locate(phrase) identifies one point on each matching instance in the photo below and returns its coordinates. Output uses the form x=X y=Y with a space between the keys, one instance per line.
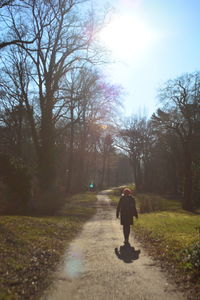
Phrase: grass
x=171 y=235
x=31 y=247
x=167 y=219
x=174 y=228
x=150 y=202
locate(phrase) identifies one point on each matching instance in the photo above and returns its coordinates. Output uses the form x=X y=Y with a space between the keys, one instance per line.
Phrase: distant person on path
x=92 y=186
x=127 y=210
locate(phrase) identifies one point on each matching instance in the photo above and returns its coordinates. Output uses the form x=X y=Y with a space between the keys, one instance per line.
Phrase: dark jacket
x=127 y=210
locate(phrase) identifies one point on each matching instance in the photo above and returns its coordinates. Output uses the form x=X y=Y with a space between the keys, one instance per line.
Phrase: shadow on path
x=127 y=253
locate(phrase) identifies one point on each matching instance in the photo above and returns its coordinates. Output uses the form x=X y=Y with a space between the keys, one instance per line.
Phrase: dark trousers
x=126 y=231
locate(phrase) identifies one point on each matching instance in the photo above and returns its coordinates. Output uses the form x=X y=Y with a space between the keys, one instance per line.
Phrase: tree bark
x=47 y=152
x=103 y=170
x=71 y=152
x=187 y=201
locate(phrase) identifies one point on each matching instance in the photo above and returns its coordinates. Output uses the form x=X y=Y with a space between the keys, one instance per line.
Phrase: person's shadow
x=127 y=253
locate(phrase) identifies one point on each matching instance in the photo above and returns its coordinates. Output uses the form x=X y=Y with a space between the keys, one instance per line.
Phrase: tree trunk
x=175 y=177
x=108 y=171
x=133 y=164
x=71 y=152
x=82 y=154
x=187 y=201
x=138 y=176
x=103 y=170
x=47 y=170
x=81 y=179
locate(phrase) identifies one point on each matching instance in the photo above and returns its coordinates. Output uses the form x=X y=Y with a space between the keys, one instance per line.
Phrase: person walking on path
x=127 y=210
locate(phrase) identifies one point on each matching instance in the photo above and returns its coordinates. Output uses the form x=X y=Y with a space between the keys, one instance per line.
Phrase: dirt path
x=95 y=267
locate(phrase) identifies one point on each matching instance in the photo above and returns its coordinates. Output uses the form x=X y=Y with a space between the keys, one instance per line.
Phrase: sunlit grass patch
x=30 y=247
x=176 y=227
x=173 y=238
x=79 y=205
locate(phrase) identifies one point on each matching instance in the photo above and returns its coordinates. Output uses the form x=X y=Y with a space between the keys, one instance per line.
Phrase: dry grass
x=171 y=235
x=31 y=247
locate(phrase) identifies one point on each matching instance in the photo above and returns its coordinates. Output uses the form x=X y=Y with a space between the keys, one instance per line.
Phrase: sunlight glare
x=126 y=37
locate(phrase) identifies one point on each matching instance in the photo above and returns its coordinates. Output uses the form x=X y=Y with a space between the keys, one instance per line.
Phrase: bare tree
x=88 y=102
x=136 y=140
x=15 y=86
x=61 y=43
x=180 y=114
x=6 y=3
x=13 y=32
x=78 y=92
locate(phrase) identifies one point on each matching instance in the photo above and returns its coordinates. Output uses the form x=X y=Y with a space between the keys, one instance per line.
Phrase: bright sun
x=126 y=36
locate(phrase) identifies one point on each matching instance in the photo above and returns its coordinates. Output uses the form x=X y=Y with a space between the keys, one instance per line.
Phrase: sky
x=150 y=42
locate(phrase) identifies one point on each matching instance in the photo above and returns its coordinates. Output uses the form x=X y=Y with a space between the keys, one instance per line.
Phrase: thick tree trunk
x=108 y=171
x=139 y=185
x=71 y=152
x=47 y=170
x=146 y=177
x=134 y=167
x=103 y=169
x=187 y=201
x=82 y=155
x=175 y=177
x=81 y=178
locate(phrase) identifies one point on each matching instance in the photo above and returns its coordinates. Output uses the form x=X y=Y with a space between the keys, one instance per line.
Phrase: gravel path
x=96 y=267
